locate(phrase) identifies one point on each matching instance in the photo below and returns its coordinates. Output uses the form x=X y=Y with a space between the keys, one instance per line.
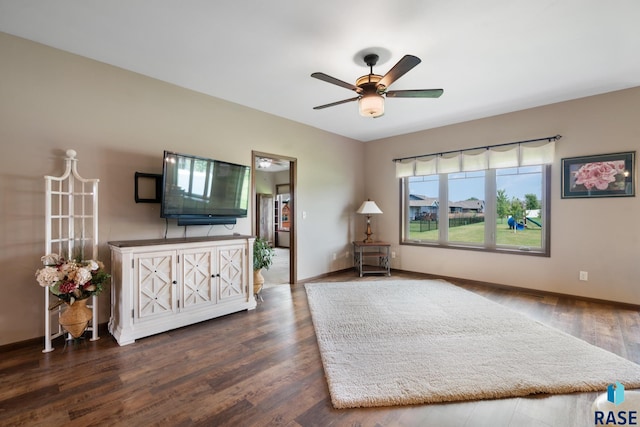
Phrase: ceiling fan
x=266 y=163
x=372 y=88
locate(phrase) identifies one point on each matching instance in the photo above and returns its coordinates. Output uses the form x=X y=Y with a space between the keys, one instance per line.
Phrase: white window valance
x=426 y=165
x=524 y=153
x=405 y=168
x=537 y=154
x=449 y=163
x=504 y=157
x=474 y=160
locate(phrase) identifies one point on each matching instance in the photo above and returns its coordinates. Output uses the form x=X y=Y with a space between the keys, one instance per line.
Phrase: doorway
x=274 y=190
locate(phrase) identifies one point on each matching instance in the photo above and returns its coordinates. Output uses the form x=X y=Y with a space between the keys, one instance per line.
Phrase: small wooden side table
x=371 y=258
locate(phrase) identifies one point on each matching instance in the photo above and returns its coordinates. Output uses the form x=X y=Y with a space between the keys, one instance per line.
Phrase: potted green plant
x=263 y=255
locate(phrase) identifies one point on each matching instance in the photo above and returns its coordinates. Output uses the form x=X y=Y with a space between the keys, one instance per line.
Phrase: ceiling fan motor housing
x=369 y=83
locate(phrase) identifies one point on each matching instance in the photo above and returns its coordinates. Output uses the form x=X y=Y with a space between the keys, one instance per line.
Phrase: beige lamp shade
x=369 y=208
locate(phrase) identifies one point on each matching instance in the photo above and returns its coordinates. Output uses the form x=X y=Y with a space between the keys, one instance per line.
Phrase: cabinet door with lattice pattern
x=198 y=278
x=155 y=276
x=232 y=283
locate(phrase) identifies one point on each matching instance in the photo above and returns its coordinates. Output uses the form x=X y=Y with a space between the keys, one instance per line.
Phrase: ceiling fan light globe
x=371 y=105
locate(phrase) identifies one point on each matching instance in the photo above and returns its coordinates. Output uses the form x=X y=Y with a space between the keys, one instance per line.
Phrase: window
x=466 y=208
x=504 y=209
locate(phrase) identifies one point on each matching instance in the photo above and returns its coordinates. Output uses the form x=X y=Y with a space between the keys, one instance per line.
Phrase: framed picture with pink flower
x=603 y=175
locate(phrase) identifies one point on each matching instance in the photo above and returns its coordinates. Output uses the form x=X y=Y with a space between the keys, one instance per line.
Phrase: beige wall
x=600 y=236
x=119 y=123
x=264 y=182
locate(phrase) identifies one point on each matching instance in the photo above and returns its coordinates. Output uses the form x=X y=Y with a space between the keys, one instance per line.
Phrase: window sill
x=501 y=249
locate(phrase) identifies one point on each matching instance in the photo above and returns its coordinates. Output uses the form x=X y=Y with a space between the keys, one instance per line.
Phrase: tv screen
x=196 y=187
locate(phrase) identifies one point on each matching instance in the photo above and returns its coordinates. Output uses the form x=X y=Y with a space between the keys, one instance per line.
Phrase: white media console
x=163 y=284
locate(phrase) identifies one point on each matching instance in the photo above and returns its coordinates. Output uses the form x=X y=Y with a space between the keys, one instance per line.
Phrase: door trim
x=293 y=172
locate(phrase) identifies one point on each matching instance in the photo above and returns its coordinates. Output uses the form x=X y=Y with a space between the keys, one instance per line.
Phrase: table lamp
x=369 y=208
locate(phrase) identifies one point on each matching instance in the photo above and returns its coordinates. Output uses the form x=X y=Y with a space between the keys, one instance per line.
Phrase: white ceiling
x=490 y=57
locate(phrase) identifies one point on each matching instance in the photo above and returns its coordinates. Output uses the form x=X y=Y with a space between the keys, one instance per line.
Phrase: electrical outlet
x=584 y=276
x=393 y=254
x=335 y=256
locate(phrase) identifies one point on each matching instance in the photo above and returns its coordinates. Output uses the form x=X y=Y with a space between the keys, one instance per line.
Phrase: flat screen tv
x=199 y=191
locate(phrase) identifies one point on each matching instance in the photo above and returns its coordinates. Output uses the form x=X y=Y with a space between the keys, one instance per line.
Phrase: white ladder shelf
x=71 y=230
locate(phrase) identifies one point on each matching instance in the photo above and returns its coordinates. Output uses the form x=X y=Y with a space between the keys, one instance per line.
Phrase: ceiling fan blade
x=326 y=78
x=320 y=107
x=400 y=69
x=416 y=93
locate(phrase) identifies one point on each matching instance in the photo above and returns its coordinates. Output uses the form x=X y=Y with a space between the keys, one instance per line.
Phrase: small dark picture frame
x=148 y=187
x=603 y=175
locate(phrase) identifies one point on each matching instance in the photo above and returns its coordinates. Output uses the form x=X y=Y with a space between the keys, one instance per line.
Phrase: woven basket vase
x=76 y=317
x=258 y=281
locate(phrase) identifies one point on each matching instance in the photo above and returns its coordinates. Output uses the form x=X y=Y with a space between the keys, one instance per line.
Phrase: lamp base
x=368 y=233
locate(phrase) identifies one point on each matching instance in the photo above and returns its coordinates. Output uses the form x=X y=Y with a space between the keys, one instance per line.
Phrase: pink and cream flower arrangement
x=602 y=175
x=72 y=280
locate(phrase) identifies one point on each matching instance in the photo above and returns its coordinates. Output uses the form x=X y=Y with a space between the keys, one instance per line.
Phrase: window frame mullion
x=490 y=208
x=443 y=209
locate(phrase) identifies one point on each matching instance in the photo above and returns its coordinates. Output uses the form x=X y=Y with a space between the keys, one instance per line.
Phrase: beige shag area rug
x=409 y=342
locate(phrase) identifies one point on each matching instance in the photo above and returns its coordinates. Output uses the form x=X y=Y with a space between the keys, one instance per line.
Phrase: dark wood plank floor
x=263 y=368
